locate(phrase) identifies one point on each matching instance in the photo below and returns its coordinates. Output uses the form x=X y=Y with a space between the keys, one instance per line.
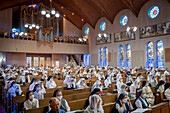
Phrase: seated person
x=15 y=89
x=107 y=81
x=66 y=79
x=167 y=90
x=50 y=82
x=81 y=84
x=38 y=92
x=63 y=102
x=42 y=86
x=31 y=102
x=149 y=95
x=55 y=106
x=133 y=89
x=123 y=88
x=95 y=105
x=160 y=86
x=123 y=104
x=71 y=84
x=97 y=84
x=141 y=101
x=95 y=91
x=32 y=84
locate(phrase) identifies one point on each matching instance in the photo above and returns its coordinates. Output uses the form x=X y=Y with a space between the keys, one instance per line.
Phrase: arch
x=149 y=55
x=105 y=57
x=159 y=60
x=128 y=56
x=101 y=57
x=121 y=56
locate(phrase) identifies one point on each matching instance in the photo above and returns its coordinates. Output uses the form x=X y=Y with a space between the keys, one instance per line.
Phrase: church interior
x=84 y=56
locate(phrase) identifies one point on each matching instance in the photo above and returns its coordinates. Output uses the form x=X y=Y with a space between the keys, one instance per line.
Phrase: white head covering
x=93 y=106
x=79 y=83
x=96 y=85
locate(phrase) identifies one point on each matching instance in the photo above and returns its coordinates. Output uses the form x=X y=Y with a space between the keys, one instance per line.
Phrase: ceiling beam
x=129 y=5
x=77 y=11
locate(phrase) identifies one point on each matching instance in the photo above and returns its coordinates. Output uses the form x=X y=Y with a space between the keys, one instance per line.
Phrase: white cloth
x=50 y=84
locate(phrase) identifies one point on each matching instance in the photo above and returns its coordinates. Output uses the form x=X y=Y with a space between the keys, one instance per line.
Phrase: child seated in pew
x=50 y=82
x=38 y=92
x=88 y=76
x=123 y=88
x=123 y=104
x=95 y=91
x=44 y=77
x=81 y=84
x=154 y=81
x=63 y=102
x=55 y=106
x=31 y=102
x=133 y=89
x=32 y=84
x=160 y=86
x=71 y=84
x=95 y=105
x=15 y=90
x=141 y=101
x=166 y=72
x=107 y=81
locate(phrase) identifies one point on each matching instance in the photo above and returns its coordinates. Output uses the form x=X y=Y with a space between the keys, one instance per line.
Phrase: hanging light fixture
x=57 y=14
x=25 y=34
x=37 y=27
x=43 y=12
x=53 y=11
x=26 y=25
x=47 y=15
x=99 y=35
x=135 y=29
x=128 y=29
x=33 y=25
x=30 y=27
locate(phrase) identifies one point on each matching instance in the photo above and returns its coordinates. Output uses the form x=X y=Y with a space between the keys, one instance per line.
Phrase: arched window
x=105 y=57
x=128 y=56
x=86 y=59
x=159 y=62
x=149 y=55
x=101 y=57
x=121 y=56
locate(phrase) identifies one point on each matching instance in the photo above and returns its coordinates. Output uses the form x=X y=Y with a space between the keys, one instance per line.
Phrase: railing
x=19 y=36
x=72 y=40
x=34 y=37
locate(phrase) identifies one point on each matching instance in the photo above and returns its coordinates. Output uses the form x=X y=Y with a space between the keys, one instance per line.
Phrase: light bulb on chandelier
x=43 y=12
x=53 y=11
x=57 y=14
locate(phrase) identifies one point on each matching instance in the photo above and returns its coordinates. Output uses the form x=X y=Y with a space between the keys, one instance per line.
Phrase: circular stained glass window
x=153 y=12
x=86 y=30
x=102 y=26
x=123 y=20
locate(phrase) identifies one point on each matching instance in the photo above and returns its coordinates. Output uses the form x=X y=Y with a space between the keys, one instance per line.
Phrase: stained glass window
x=159 y=55
x=101 y=57
x=150 y=55
x=86 y=30
x=121 y=56
x=86 y=59
x=123 y=20
x=103 y=26
x=128 y=56
x=153 y=12
x=105 y=57
x=28 y=61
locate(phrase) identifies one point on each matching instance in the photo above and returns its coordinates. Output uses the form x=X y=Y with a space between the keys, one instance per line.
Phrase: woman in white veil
x=97 y=84
x=81 y=84
x=95 y=105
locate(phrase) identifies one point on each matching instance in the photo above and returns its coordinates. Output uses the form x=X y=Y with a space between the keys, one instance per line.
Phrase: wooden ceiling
x=88 y=10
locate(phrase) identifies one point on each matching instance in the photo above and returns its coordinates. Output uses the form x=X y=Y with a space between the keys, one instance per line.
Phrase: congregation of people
x=130 y=84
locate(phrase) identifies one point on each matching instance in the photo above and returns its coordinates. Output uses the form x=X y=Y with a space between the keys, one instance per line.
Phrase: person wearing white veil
x=133 y=89
x=66 y=79
x=119 y=82
x=163 y=77
x=81 y=84
x=107 y=81
x=71 y=84
x=123 y=88
x=41 y=86
x=95 y=105
x=97 y=84
x=14 y=90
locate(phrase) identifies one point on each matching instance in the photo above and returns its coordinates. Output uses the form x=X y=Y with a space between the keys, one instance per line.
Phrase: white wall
x=138 y=46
